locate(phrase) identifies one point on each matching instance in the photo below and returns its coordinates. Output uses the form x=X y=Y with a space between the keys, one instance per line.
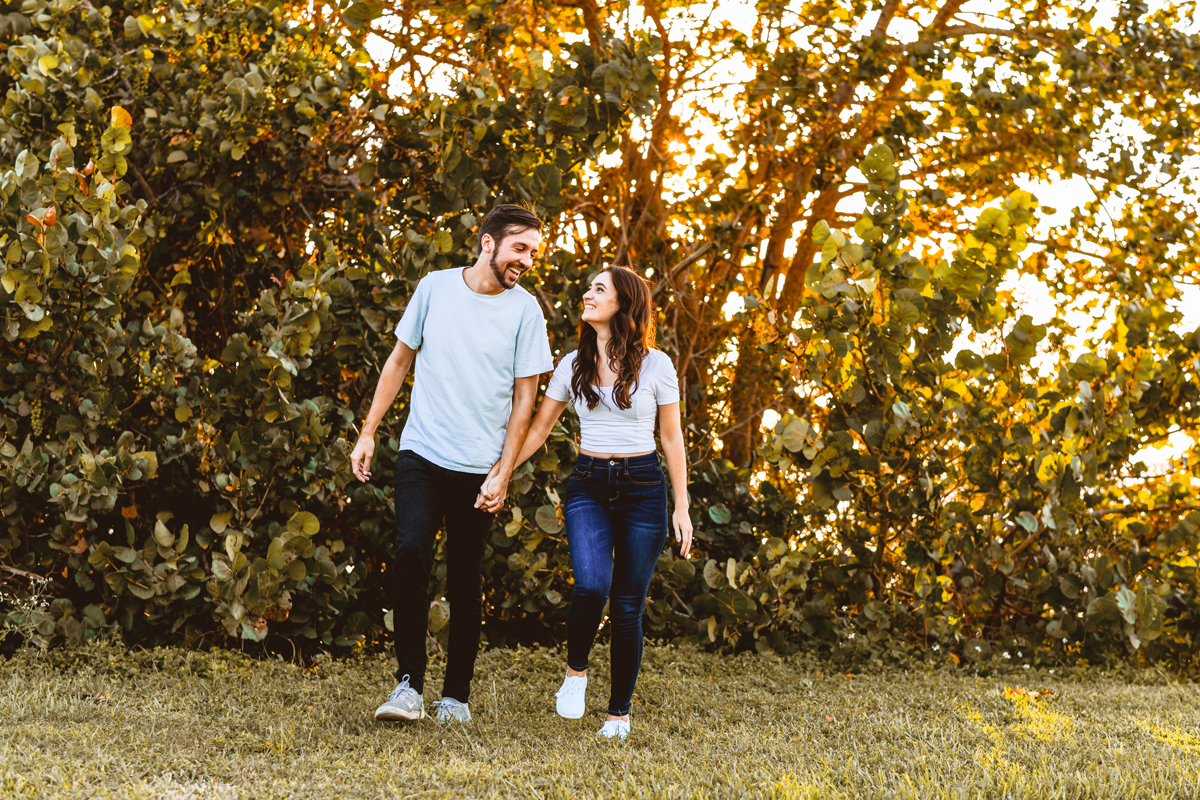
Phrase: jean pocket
x=645 y=476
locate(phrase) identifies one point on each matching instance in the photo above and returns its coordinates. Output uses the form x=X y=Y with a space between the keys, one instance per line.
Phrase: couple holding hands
x=476 y=342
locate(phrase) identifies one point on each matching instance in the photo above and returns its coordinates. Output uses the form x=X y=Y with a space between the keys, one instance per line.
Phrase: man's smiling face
x=514 y=256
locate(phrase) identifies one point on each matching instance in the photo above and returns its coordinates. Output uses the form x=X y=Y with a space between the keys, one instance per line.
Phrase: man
x=479 y=343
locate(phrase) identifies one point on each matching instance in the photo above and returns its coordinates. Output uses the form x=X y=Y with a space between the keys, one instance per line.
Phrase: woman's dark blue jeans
x=616 y=515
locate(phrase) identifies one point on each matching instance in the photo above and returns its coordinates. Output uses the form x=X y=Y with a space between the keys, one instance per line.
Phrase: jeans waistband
x=650 y=459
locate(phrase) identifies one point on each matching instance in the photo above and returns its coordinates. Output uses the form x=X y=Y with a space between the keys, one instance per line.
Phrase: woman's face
x=600 y=301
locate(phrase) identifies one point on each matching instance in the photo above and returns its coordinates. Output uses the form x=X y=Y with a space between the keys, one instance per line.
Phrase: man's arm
x=495 y=487
x=395 y=369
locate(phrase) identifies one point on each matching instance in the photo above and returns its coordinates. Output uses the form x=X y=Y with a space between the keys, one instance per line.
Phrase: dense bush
x=214 y=214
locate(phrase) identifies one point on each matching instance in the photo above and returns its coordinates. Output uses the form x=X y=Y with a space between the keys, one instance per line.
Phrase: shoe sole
x=569 y=716
x=400 y=716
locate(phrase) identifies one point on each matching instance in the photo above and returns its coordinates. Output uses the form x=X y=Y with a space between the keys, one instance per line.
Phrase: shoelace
x=400 y=689
x=445 y=708
x=571 y=687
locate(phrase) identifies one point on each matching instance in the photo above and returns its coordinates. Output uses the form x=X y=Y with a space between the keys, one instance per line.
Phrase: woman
x=616 y=500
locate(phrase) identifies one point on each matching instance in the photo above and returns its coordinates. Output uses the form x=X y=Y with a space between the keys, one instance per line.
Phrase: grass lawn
x=178 y=724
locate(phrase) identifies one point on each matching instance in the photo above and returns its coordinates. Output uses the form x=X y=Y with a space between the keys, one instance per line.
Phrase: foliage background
x=214 y=213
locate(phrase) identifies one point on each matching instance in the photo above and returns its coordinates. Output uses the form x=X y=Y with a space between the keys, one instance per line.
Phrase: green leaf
x=162 y=536
x=297 y=571
x=303 y=522
x=359 y=15
x=220 y=568
x=794 y=435
x=820 y=233
x=907 y=312
x=220 y=521
x=27 y=164
x=547 y=519
x=150 y=463
x=720 y=514
x=735 y=604
x=443 y=242
x=117 y=140
x=684 y=570
x=714 y=576
x=1126 y=601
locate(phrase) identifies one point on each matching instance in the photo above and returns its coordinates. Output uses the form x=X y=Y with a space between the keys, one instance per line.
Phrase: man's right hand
x=360 y=458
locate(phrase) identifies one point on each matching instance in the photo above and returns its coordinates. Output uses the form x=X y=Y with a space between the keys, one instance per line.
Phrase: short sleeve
x=560 y=382
x=666 y=381
x=411 y=327
x=533 y=346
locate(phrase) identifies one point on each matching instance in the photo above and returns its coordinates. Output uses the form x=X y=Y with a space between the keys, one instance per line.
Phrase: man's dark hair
x=507 y=219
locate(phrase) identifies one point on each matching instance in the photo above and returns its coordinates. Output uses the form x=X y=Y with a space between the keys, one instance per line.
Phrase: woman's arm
x=547 y=414
x=539 y=430
x=671 y=433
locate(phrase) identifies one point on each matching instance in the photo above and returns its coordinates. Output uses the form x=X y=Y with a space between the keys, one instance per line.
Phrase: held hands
x=682 y=523
x=494 y=491
x=360 y=457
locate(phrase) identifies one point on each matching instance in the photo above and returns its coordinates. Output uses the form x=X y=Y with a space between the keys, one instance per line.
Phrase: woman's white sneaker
x=615 y=729
x=570 y=703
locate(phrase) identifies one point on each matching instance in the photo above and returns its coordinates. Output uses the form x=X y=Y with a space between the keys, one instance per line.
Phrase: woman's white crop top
x=608 y=429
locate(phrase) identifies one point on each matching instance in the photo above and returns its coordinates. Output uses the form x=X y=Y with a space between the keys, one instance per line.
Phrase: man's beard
x=501 y=273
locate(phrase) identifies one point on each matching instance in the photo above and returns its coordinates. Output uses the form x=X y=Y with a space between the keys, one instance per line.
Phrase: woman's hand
x=485 y=497
x=494 y=493
x=683 y=530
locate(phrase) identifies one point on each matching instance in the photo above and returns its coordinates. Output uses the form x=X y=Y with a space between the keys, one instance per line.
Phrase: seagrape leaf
x=162 y=536
x=220 y=521
x=304 y=522
x=547 y=519
x=1126 y=602
x=683 y=569
x=714 y=576
x=735 y=603
x=719 y=514
x=794 y=434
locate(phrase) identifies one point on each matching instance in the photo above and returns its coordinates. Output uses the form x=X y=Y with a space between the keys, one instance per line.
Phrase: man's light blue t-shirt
x=470 y=348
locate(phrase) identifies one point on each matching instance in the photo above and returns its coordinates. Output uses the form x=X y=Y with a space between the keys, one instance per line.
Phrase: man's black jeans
x=427 y=495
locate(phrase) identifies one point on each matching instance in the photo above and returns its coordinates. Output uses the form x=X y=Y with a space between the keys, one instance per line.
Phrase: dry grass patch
x=177 y=724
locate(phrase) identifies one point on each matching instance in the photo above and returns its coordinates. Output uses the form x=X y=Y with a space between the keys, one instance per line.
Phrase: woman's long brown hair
x=632 y=337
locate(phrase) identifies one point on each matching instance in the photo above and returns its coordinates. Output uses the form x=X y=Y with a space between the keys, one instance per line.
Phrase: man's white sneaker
x=615 y=729
x=402 y=704
x=570 y=703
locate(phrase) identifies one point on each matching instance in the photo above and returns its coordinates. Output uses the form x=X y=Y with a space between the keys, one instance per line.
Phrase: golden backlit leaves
x=121 y=118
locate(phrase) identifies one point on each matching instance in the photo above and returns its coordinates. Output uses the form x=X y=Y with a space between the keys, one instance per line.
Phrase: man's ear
x=487 y=243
